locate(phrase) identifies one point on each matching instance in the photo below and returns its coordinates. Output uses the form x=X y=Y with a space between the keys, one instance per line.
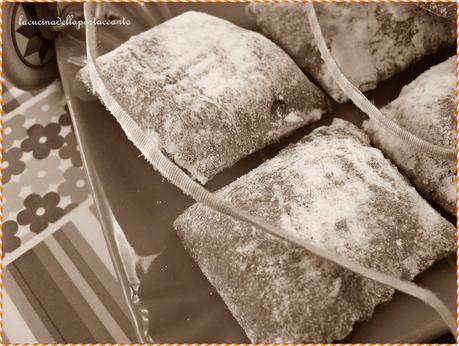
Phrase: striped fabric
x=59 y=282
x=13 y=97
x=64 y=290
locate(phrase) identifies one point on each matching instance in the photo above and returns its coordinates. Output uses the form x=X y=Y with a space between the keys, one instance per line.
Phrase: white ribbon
x=151 y=151
x=363 y=103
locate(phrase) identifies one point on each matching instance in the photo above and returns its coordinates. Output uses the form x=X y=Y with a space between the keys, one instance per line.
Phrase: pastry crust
x=335 y=190
x=370 y=42
x=425 y=107
x=209 y=91
x=445 y=10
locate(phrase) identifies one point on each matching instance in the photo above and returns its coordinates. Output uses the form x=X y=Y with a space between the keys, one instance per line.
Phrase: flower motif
x=14 y=130
x=41 y=139
x=47 y=110
x=12 y=201
x=40 y=211
x=74 y=186
x=12 y=164
x=10 y=241
x=40 y=174
x=64 y=119
x=70 y=150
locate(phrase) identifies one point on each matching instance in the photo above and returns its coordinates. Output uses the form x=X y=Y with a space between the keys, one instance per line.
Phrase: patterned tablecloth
x=60 y=285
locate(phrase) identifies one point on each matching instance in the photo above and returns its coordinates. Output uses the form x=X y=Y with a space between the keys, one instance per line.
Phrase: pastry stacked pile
x=211 y=93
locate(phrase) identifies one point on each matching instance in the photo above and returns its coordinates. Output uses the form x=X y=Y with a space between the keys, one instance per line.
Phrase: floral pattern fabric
x=42 y=139
x=47 y=204
x=42 y=169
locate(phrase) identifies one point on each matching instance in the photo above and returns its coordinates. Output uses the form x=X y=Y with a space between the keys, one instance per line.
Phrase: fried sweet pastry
x=335 y=190
x=425 y=107
x=209 y=91
x=445 y=10
x=370 y=42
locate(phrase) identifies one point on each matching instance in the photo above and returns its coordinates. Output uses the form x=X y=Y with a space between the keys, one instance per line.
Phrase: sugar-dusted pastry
x=370 y=42
x=426 y=107
x=445 y=10
x=209 y=91
x=340 y=193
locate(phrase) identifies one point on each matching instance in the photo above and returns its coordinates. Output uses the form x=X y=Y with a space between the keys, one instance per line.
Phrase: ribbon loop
x=151 y=151
x=363 y=103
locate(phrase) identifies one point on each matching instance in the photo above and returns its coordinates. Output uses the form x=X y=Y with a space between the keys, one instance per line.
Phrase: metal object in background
x=29 y=56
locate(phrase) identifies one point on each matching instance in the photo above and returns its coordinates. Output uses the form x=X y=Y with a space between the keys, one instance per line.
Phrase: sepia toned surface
x=333 y=189
x=171 y=299
x=370 y=42
x=214 y=93
x=426 y=107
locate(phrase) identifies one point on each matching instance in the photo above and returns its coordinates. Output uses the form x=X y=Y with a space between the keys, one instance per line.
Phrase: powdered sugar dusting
x=426 y=107
x=370 y=42
x=333 y=189
x=212 y=92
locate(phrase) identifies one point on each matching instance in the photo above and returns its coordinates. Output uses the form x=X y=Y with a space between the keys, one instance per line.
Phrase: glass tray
x=170 y=299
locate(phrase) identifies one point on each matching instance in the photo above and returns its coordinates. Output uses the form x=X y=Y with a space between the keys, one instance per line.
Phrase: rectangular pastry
x=335 y=190
x=370 y=42
x=442 y=9
x=209 y=91
x=426 y=107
